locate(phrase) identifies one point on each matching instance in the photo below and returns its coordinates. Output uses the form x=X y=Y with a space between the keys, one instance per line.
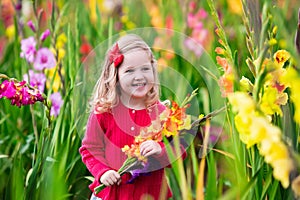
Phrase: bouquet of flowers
x=171 y=122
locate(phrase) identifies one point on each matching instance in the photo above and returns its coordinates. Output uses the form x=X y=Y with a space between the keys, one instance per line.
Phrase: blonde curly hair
x=106 y=92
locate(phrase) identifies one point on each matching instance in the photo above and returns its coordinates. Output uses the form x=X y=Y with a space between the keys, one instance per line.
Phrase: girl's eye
x=129 y=71
x=146 y=68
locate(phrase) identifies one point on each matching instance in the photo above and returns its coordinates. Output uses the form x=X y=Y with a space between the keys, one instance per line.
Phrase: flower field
x=241 y=56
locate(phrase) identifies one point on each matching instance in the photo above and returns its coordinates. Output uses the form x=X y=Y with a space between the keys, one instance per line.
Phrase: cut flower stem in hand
x=130 y=164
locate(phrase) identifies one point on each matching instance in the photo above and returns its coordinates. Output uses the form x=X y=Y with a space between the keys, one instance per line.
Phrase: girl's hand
x=110 y=178
x=150 y=147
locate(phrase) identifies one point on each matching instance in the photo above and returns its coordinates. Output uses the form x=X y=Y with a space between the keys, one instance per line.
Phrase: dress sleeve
x=92 y=149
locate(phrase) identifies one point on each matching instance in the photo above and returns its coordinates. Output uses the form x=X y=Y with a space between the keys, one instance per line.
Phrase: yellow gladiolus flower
x=255 y=128
x=61 y=41
x=246 y=84
x=259 y=129
x=10 y=32
x=292 y=79
x=272 y=41
x=277 y=152
x=277 y=155
x=241 y=101
x=56 y=84
x=235 y=6
x=281 y=171
x=281 y=56
x=269 y=102
x=242 y=123
x=61 y=53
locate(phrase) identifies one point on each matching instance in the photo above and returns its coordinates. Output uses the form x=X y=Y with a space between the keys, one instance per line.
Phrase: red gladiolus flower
x=85 y=49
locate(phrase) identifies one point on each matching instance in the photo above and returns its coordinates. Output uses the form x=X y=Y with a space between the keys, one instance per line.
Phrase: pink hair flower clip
x=115 y=56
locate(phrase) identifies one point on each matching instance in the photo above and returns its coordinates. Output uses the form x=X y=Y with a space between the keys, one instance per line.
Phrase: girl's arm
x=93 y=148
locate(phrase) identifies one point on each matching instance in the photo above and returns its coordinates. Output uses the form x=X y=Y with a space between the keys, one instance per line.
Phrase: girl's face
x=136 y=76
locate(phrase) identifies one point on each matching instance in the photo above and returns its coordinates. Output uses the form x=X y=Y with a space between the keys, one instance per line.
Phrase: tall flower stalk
x=256 y=104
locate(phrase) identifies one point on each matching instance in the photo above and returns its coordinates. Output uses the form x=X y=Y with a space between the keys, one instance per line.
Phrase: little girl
x=125 y=99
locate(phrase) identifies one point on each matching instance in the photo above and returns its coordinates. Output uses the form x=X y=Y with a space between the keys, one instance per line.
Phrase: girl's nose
x=138 y=77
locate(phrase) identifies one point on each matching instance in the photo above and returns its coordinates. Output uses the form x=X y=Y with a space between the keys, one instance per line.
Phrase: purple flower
x=44 y=59
x=26 y=99
x=144 y=170
x=34 y=95
x=31 y=25
x=19 y=94
x=7 y=89
x=57 y=102
x=44 y=35
x=28 y=49
x=18 y=6
x=36 y=80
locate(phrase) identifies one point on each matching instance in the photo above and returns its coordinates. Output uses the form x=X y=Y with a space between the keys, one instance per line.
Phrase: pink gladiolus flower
x=28 y=49
x=36 y=80
x=192 y=6
x=7 y=89
x=44 y=35
x=201 y=14
x=199 y=33
x=25 y=100
x=193 y=21
x=194 y=46
x=31 y=25
x=44 y=59
x=31 y=96
x=19 y=94
x=57 y=102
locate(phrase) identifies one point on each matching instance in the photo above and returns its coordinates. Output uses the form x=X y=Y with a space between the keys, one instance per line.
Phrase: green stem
x=189 y=98
x=127 y=165
x=35 y=131
x=206 y=117
x=99 y=188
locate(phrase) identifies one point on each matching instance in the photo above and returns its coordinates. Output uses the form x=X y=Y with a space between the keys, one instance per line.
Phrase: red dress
x=106 y=134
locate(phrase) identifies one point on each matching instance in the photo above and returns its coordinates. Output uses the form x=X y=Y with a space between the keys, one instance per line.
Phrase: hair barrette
x=115 y=56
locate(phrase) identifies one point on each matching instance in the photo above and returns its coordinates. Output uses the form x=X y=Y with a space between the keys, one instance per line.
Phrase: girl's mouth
x=139 y=84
